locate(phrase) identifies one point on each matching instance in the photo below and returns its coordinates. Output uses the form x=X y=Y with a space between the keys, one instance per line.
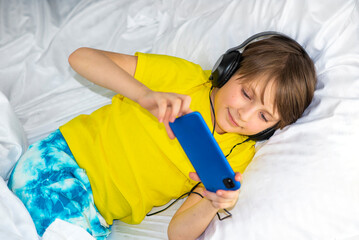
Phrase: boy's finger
x=227 y=194
x=169 y=131
x=238 y=176
x=185 y=109
x=213 y=196
x=176 y=106
x=194 y=176
x=162 y=108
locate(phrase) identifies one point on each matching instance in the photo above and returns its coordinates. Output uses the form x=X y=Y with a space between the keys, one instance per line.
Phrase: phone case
x=204 y=152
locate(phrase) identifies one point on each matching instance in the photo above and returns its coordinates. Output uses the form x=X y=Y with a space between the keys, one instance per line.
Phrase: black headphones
x=229 y=63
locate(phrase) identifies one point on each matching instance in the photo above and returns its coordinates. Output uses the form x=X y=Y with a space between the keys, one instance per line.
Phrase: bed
x=303 y=183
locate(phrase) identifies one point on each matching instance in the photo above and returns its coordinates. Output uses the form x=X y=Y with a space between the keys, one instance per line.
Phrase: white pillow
x=12 y=137
x=303 y=182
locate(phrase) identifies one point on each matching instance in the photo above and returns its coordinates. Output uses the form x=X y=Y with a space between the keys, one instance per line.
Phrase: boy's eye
x=263 y=117
x=246 y=94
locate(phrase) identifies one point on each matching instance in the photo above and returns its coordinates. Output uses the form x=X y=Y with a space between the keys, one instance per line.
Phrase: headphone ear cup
x=225 y=67
x=264 y=135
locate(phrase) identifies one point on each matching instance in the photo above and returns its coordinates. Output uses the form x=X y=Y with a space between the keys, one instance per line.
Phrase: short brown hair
x=284 y=61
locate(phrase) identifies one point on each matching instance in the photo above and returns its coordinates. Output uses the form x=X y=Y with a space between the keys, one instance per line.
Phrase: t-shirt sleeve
x=168 y=73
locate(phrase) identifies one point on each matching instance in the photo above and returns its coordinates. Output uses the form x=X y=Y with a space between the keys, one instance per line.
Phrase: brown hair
x=284 y=61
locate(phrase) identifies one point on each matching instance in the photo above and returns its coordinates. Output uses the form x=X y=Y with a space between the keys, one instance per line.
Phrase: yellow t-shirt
x=131 y=163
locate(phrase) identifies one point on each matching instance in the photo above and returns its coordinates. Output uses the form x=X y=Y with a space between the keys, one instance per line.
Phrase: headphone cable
x=212 y=109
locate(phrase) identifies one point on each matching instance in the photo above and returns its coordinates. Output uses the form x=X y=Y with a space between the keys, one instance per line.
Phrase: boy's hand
x=166 y=107
x=222 y=198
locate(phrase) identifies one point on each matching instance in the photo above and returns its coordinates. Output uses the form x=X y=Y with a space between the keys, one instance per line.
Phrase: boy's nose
x=245 y=113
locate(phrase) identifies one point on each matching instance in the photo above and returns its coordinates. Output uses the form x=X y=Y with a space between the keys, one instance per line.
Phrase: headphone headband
x=229 y=62
x=256 y=37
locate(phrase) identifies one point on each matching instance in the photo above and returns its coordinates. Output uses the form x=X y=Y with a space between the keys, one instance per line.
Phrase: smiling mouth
x=231 y=119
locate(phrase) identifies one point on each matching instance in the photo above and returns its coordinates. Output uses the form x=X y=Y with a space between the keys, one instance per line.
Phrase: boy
x=121 y=160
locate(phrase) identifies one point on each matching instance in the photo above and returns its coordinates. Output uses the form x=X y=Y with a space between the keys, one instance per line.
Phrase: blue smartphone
x=204 y=152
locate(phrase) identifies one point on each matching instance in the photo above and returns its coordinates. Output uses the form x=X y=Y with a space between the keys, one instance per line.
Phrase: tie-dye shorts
x=51 y=185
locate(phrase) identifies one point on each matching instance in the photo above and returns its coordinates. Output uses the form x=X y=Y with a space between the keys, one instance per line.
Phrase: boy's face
x=239 y=108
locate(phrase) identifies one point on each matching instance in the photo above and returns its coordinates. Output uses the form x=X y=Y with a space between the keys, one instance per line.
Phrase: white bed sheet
x=302 y=184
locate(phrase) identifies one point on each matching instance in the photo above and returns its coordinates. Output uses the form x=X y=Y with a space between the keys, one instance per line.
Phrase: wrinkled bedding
x=301 y=184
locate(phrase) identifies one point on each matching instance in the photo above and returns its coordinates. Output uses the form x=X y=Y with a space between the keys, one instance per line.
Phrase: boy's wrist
x=141 y=93
x=209 y=203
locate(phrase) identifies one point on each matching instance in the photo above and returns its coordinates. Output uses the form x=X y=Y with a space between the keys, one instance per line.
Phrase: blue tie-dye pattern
x=51 y=185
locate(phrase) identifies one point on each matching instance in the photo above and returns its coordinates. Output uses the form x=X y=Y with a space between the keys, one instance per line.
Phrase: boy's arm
x=195 y=214
x=115 y=71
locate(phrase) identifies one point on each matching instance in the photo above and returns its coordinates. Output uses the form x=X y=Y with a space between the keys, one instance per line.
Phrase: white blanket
x=302 y=183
